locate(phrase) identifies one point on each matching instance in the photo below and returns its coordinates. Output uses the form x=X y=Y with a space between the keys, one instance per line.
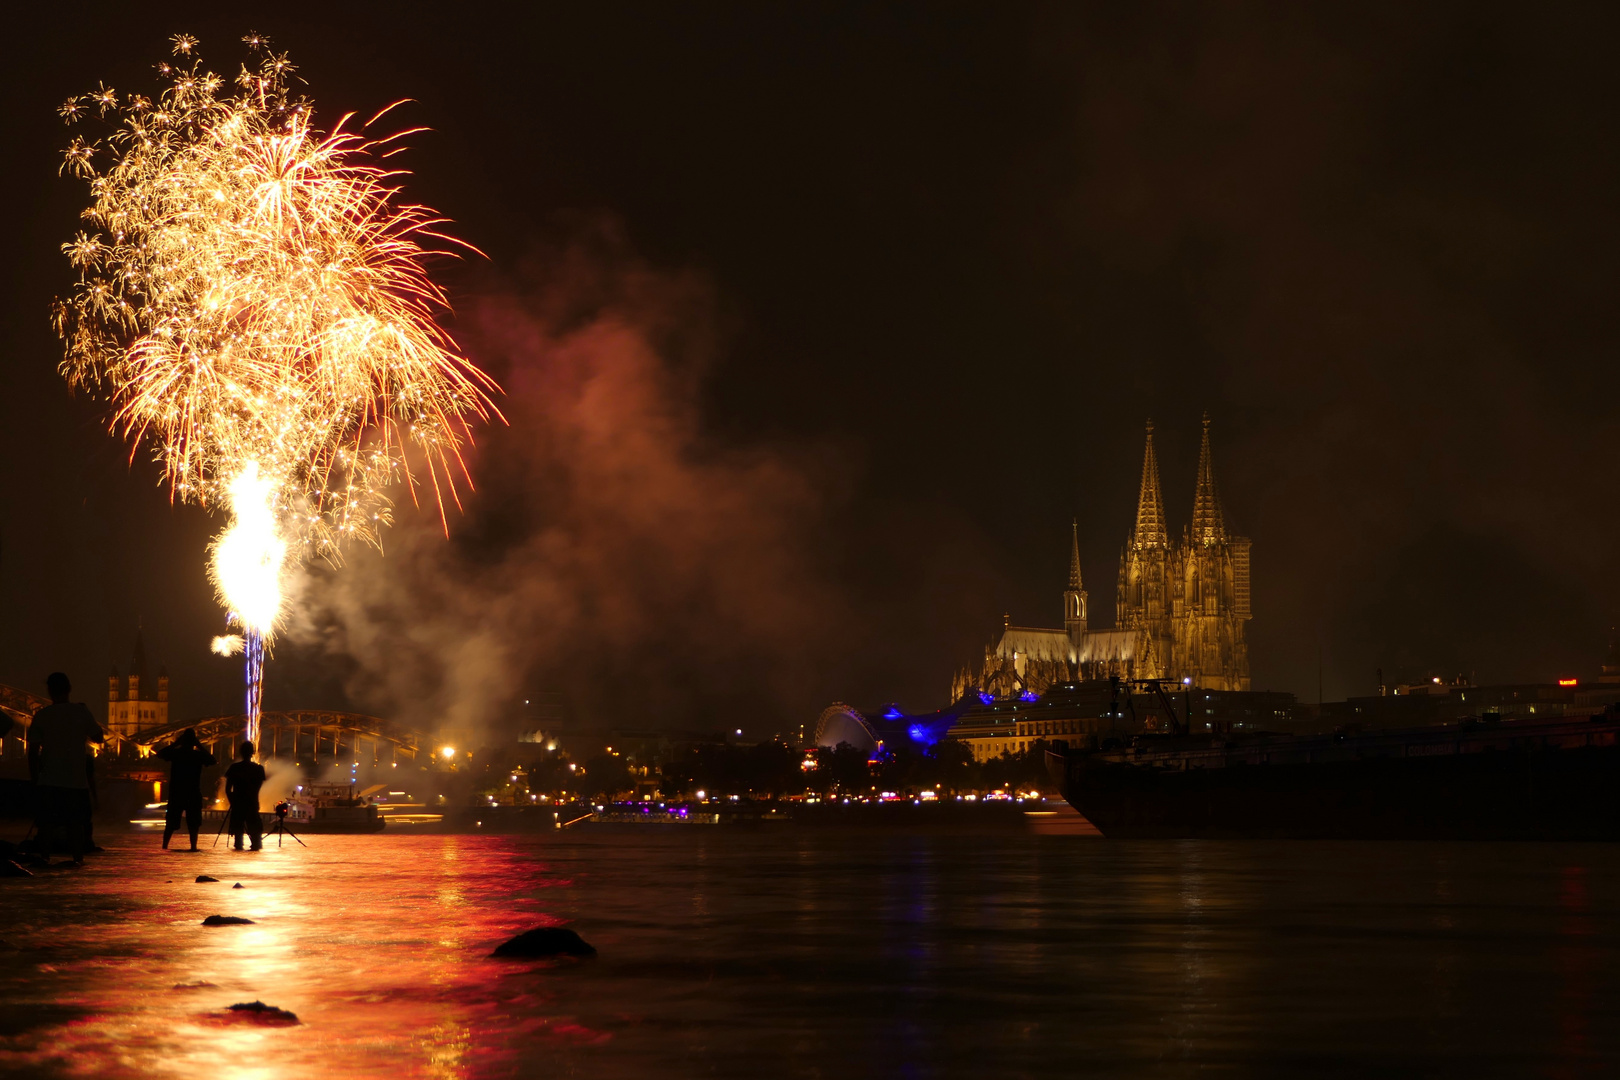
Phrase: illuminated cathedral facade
x=1179 y=608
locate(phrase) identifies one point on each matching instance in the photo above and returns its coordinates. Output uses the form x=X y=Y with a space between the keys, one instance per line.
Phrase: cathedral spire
x=1150 y=527
x=1075 y=584
x=1074 y=597
x=137 y=665
x=1208 y=521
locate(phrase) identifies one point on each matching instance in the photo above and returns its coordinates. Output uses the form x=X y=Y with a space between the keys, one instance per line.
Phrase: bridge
x=19 y=705
x=301 y=734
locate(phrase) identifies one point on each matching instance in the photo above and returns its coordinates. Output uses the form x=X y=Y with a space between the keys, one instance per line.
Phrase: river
x=845 y=953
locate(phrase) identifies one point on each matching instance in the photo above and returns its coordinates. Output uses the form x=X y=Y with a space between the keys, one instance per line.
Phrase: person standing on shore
x=59 y=741
x=95 y=804
x=242 y=783
x=187 y=759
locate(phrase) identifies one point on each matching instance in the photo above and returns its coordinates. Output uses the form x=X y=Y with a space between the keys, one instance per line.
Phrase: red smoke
x=612 y=551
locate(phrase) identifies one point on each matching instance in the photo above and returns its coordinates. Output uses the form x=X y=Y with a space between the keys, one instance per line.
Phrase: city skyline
x=878 y=351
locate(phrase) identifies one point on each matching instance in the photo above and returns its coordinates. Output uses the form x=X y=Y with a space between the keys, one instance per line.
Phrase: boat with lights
x=317 y=808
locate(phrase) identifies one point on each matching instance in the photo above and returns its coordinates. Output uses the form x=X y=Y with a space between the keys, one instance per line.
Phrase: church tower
x=1074 y=597
x=1144 y=601
x=1211 y=571
x=141 y=703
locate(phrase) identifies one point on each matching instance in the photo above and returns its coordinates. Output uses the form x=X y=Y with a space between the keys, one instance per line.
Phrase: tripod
x=281 y=826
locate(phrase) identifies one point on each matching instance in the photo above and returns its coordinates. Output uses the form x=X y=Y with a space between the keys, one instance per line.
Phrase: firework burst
x=253 y=301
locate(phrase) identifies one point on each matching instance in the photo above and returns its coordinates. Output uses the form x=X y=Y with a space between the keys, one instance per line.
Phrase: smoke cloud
x=614 y=557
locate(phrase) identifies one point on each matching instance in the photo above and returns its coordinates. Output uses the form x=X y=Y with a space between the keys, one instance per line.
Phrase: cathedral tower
x=140 y=704
x=1211 y=570
x=1144 y=602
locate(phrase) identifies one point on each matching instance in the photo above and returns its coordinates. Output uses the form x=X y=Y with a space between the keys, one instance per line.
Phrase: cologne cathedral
x=1178 y=612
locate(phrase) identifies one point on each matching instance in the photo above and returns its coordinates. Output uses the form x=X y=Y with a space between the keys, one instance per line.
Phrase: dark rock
x=204 y=877
x=545 y=941
x=11 y=869
x=238 y=885
x=260 y=1013
x=226 y=920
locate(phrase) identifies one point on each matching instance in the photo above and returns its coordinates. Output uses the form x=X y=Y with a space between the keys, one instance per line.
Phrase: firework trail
x=253 y=302
x=246 y=568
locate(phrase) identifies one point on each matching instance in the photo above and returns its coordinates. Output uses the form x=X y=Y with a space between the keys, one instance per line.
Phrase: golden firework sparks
x=253 y=301
x=252 y=290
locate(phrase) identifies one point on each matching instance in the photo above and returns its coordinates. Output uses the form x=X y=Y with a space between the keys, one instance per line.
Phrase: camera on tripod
x=281 y=828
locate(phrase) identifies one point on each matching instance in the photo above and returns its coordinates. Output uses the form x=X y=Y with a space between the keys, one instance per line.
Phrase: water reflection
x=787 y=954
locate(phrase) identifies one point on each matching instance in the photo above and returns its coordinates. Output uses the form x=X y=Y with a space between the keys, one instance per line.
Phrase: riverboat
x=1481 y=779
x=317 y=808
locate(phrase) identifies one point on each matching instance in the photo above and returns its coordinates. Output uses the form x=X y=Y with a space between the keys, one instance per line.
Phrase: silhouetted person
x=187 y=759
x=242 y=783
x=95 y=803
x=58 y=748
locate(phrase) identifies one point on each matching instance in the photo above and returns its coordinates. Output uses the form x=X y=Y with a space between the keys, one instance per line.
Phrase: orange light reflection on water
x=380 y=946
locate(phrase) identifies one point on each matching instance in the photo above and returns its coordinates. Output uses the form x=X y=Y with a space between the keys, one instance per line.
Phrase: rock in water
x=238 y=885
x=11 y=869
x=226 y=920
x=261 y=1013
x=545 y=941
x=204 y=877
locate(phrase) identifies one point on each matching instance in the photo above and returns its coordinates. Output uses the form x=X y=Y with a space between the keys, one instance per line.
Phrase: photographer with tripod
x=242 y=783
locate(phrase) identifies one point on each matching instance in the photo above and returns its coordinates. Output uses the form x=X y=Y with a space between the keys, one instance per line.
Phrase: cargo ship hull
x=1513 y=780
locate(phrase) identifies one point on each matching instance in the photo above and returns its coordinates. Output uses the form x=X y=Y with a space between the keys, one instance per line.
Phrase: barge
x=1480 y=779
x=315 y=809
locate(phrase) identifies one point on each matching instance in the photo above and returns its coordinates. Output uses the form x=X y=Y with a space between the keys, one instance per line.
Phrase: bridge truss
x=301 y=734
x=19 y=705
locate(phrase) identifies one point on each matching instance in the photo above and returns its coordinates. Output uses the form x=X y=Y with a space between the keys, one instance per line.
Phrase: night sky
x=821 y=322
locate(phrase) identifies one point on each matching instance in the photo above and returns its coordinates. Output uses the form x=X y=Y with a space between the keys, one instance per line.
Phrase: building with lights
x=1179 y=609
x=1454 y=701
x=138 y=703
x=1064 y=715
x=1081 y=714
